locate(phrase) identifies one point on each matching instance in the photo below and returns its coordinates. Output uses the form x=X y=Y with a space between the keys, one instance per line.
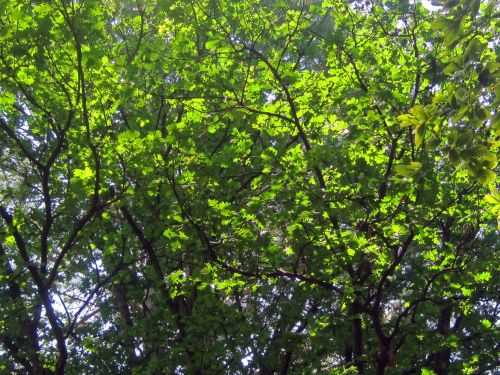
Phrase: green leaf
x=486 y=323
x=483 y=276
x=408 y=120
x=491 y=159
x=454 y=157
x=443 y=24
x=25 y=77
x=178 y=218
x=212 y=44
x=485 y=176
x=451 y=68
x=419 y=135
x=463 y=137
x=426 y=371
x=407 y=170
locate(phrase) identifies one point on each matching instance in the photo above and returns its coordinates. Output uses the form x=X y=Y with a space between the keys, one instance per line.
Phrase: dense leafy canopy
x=243 y=187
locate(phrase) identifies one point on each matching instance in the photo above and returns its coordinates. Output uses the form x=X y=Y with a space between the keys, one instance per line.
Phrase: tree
x=237 y=187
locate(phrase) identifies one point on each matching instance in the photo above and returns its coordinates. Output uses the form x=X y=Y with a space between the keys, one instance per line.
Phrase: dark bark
x=175 y=305
x=126 y=322
x=356 y=351
x=441 y=358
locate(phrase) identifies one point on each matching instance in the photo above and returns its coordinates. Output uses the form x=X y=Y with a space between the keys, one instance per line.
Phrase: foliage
x=238 y=187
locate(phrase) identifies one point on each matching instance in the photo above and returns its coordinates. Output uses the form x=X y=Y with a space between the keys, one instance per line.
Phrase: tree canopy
x=249 y=187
